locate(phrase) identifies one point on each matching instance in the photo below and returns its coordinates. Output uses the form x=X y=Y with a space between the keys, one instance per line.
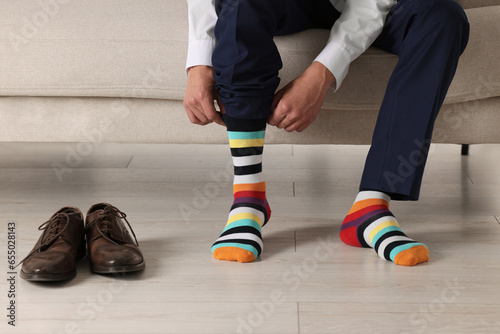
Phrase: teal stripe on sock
x=243 y=222
x=246 y=135
x=384 y=231
x=237 y=245
x=404 y=247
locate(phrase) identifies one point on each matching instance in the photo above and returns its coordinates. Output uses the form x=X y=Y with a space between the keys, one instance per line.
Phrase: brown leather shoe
x=111 y=248
x=59 y=247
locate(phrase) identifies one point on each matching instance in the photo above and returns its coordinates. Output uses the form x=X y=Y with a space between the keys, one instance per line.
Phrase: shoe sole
x=118 y=269
x=47 y=277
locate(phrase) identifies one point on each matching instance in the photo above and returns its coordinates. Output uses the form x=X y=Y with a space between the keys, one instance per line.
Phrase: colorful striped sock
x=241 y=239
x=369 y=223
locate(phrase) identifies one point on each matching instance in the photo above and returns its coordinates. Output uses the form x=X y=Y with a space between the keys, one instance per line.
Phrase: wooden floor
x=307 y=281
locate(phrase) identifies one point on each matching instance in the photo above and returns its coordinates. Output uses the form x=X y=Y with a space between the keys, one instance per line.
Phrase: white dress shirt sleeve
x=202 y=19
x=357 y=28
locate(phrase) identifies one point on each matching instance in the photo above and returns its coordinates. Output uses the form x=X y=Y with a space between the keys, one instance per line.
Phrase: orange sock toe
x=412 y=256
x=233 y=254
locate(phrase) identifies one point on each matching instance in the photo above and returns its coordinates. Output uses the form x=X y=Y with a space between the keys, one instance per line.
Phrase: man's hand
x=200 y=95
x=296 y=105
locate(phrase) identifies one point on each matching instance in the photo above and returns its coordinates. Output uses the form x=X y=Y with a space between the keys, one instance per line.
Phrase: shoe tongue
x=104 y=225
x=59 y=222
x=94 y=215
x=55 y=226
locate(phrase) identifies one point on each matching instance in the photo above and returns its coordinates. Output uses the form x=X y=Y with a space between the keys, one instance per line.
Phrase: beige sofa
x=114 y=71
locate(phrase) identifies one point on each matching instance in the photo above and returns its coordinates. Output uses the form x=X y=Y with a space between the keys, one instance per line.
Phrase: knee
x=449 y=14
x=450 y=21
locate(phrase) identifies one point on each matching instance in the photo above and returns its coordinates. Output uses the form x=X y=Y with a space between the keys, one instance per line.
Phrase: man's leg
x=429 y=36
x=246 y=65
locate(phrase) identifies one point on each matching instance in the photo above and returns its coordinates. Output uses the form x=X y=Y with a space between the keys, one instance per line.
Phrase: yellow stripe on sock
x=381 y=227
x=244 y=215
x=241 y=143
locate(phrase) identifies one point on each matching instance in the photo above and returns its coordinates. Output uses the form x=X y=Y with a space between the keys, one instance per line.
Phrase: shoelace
x=103 y=218
x=52 y=228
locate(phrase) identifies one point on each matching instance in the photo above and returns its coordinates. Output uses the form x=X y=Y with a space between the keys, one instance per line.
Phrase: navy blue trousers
x=428 y=36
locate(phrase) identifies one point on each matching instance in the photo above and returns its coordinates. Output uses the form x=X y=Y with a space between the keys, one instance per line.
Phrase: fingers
x=201 y=110
x=277 y=98
x=205 y=115
x=200 y=95
x=210 y=113
x=201 y=117
x=220 y=104
x=218 y=119
x=302 y=127
x=276 y=117
x=291 y=119
x=291 y=126
x=285 y=114
x=298 y=126
x=194 y=111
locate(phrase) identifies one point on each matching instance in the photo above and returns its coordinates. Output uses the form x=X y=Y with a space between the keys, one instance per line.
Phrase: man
x=232 y=59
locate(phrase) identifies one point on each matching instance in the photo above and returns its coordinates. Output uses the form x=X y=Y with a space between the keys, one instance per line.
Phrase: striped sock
x=241 y=239
x=371 y=224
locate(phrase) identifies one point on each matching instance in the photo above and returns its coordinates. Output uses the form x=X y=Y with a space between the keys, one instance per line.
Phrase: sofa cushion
x=478 y=3
x=128 y=48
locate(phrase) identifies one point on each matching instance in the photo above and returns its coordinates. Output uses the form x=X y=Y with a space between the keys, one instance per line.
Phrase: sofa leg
x=465 y=149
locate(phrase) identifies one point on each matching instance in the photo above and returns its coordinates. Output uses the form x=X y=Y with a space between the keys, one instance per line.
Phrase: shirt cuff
x=200 y=52
x=337 y=59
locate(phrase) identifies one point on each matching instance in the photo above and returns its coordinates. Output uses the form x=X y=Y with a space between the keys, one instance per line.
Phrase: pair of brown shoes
x=62 y=243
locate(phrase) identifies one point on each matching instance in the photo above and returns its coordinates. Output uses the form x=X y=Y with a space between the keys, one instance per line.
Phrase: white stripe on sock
x=247 y=161
x=250 y=178
x=389 y=240
x=245 y=236
x=369 y=194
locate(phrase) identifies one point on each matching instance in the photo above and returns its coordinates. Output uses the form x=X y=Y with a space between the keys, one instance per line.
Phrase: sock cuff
x=370 y=194
x=244 y=124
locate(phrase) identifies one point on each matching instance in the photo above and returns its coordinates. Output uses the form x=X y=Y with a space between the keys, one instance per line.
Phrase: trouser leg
x=246 y=61
x=429 y=36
